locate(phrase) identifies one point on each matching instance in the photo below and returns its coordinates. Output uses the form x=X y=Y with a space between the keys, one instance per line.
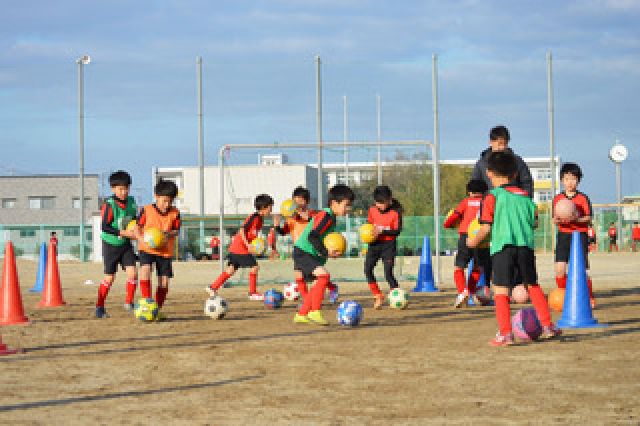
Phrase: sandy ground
x=427 y=364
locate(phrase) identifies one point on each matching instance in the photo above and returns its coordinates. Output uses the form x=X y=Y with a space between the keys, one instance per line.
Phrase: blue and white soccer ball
x=350 y=313
x=273 y=298
x=146 y=310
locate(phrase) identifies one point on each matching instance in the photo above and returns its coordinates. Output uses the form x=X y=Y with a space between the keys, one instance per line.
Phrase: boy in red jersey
x=635 y=236
x=117 y=211
x=164 y=216
x=613 y=237
x=241 y=252
x=310 y=254
x=570 y=176
x=294 y=226
x=512 y=215
x=386 y=217
x=591 y=234
x=464 y=213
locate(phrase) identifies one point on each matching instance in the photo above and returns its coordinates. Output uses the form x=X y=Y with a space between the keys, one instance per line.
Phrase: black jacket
x=522 y=180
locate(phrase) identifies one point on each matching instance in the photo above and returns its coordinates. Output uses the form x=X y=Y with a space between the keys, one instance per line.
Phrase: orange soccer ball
x=556 y=299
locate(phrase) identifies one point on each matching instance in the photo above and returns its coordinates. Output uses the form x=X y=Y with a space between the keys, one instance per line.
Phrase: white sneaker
x=256 y=296
x=461 y=299
x=212 y=292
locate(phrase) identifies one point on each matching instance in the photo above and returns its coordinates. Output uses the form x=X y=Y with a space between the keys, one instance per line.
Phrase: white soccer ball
x=398 y=298
x=89 y=282
x=291 y=292
x=216 y=307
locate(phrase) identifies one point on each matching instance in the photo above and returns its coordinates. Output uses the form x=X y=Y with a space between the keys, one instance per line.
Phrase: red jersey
x=466 y=211
x=635 y=233
x=583 y=207
x=591 y=233
x=215 y=242
x=612 y=231
x=252 y=226
x=387 y=222
x=488 y=205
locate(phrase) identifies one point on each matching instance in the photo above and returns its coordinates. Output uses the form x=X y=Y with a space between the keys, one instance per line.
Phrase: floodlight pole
x=552 y=142
x=319 y=130
x=619 y=199
x=200 y=149
x=378 y=139
x=345 y=136
x=82 y=61
x=436 y=165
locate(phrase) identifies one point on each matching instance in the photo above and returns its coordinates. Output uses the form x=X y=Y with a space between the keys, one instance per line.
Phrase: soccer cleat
x=461 y=299
x=211 y=291
x=317 y=317
x=480 y=300
x=333 y=295
x=101 y=312
x=256 y=296
x=129 y=307
x=301 y=319
x=379 y=301
x=502 y=340
x=549 y=332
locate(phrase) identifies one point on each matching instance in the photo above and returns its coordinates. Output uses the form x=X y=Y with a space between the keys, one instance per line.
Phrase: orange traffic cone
x=11 y=310
x=52 y=294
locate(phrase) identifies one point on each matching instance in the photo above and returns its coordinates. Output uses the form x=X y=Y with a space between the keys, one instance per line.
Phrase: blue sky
x=259 y=84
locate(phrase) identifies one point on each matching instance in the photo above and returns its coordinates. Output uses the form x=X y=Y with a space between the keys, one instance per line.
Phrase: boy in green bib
x=117 y=211
x=310 y=254
x=509 y=216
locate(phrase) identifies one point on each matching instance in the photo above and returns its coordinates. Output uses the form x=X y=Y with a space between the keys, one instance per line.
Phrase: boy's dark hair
x=382 y=194
x=119 y=178
x=502 y=163
x=166 y=188
x=303 y=192
x=339 y=193
x=262 y=201
x=477 y=185
x=53 y=233
x=499 y=132
x=572 y=169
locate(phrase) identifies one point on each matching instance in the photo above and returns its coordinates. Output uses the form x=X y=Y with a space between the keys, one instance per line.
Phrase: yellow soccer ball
x=154 y=238
x=367 y=233
x=472 y=231
x=334 y=241
x=259 y=246
x=288 y=208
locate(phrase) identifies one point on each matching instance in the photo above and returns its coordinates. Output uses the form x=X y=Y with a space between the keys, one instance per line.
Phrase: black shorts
x=563 y=247
x=510 y=259
x=464 y=254
x=592 y=240
x=241 y=260
x=163 y=264
x=613 y=240
x=306 y=263
x=385 y=250
x=114 y=255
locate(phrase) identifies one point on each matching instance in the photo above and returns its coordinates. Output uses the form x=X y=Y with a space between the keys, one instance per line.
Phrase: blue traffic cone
x=42 y=270
x=576 y=310
x=425 y=283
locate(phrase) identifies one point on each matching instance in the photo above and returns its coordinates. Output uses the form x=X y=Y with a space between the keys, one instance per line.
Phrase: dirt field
x=428 y=364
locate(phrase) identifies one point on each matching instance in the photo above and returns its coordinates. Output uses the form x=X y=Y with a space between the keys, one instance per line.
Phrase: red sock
x=145 y=288
x=305 y=306
x=503 y=313
x=103 y=290
x=317 y=292
x=302 y=287
x=590 y=285
x=561 y=282
x=375 y=289
x=222 y=278
x=331 y=286
x=161 y=295
x=458 y=279
x=131 y=291
x=540 y=304
x=253 y=283
x=474 y=277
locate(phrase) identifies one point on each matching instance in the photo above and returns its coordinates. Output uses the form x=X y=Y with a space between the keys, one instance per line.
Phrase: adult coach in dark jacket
x=499 y=141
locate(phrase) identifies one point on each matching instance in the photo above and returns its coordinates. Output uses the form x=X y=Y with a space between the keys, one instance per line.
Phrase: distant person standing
x=635 y=236
x=613 y=237
x=499 y=141
x=53 y=241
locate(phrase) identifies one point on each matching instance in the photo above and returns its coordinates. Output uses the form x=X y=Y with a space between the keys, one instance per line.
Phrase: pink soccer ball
x=519 y=294
x=525 y=324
